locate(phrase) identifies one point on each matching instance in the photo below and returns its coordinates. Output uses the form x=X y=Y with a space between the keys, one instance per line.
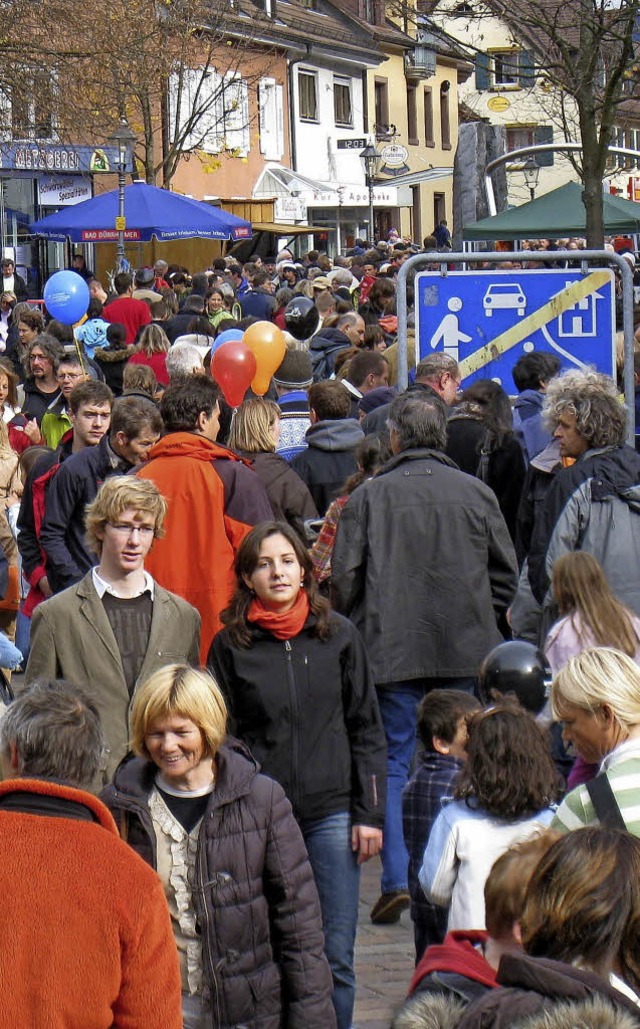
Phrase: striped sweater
x=622 y=768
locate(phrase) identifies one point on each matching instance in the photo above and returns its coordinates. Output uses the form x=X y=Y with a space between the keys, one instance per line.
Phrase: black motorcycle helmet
x=516 y=667
x=301 y=317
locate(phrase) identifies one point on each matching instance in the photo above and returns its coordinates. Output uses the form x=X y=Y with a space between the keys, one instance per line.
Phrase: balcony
x=420 y=63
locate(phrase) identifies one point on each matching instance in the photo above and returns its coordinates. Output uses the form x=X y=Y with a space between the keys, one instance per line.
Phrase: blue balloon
x=66 y=297
x=228 y=336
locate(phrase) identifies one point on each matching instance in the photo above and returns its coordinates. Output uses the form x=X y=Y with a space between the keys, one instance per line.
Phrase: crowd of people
x=264 y=645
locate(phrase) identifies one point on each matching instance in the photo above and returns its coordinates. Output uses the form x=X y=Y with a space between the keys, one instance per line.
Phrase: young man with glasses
x=56 y=421
x=113 y=629
x=135 y=427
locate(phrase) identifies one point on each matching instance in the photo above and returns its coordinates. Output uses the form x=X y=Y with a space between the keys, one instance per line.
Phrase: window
x=342 y=110
x=412 y=115
x=445 y=123
x=429 y=137
x=531 y=135
x=208 y=112
x=308 y=95
x=520 y=135
x=505 y=69
x=235 y=114
x=372 y=11
x=634 y=144
x=381 y=90
x=32 y=108
x=195 y=116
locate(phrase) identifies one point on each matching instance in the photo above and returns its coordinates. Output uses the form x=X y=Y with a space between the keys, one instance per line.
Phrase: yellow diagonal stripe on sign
x=557 y=305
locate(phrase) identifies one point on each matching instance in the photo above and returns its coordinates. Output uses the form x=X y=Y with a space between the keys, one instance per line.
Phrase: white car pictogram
x=502 y=296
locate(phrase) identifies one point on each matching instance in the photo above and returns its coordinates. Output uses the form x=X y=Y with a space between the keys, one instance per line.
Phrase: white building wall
x=317 y=155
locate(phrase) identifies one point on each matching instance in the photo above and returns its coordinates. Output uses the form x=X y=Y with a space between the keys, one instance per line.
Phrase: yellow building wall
x=420 y=220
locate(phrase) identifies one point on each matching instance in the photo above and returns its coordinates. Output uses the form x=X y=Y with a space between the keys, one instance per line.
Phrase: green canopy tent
x=556 y=214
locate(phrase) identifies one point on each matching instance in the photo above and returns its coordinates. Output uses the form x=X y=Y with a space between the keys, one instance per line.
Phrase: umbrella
x=149 y=211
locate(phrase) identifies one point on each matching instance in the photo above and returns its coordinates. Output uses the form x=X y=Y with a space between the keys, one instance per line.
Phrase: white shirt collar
x=101 y=586
x=621 y=753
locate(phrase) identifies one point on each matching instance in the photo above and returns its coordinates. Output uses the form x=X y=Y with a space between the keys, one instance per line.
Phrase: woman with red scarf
x=299 y=692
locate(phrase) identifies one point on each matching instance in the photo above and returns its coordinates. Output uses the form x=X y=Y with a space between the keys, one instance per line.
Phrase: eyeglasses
x=127 y=529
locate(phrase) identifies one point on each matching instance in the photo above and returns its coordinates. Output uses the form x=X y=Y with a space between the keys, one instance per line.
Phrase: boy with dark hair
x=442 y=729
x=331 y=439
x=532 y=373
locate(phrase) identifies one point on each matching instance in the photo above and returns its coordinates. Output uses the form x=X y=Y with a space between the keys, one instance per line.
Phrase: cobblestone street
x=384 y=959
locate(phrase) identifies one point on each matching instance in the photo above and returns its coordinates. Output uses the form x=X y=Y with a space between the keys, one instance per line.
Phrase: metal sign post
x=487 y=319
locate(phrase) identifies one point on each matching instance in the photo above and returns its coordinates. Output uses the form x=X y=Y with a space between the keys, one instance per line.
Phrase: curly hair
x=509 y=771
x=234 y=617
x=592 y=398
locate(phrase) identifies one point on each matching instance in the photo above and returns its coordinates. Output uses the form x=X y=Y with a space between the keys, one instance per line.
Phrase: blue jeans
x=398 y=708
x=337 y=875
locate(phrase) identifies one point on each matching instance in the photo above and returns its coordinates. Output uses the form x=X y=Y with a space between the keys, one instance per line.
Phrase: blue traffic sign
x=486 y=320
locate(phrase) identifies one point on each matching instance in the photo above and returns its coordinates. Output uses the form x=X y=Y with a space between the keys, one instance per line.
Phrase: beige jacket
x=71 y=638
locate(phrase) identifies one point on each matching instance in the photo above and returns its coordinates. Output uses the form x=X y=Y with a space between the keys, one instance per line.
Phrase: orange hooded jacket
x=86 y=936
x=214 y=500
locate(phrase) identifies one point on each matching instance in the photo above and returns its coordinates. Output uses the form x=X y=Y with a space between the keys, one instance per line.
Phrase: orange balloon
x=266 y=342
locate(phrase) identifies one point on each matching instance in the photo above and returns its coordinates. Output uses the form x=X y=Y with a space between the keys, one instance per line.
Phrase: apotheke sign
x=353 y=196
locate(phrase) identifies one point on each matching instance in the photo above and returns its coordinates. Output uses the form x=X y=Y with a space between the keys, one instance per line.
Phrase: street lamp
x=371 y=162
x=123 y=138
x=531 y=171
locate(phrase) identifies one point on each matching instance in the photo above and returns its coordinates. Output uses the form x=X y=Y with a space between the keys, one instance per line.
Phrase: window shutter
x=482 y=71
x=271 y=119
x=207 y=110
x=527 y=70
x=194 y=102
x=236 y=114
x=544 y=134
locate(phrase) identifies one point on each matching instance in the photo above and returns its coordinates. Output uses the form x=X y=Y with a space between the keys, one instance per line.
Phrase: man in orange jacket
x=214 y=500
x=85 y=937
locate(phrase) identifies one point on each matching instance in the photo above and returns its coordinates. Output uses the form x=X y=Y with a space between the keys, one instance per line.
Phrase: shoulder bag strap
x=605 y=803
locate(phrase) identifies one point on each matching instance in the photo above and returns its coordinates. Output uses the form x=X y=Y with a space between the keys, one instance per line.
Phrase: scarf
x=284 y=625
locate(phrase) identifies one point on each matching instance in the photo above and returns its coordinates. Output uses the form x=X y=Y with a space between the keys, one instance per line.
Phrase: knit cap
x=296 y=370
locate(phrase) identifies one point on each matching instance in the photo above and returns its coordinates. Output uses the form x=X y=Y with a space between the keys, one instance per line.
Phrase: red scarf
x=284 y=625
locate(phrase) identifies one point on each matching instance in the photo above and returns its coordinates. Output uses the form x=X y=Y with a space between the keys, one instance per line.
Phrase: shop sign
x=48 y=157
x=63 y=190
x=394 y=159
x=353 y=196
x=289 y=209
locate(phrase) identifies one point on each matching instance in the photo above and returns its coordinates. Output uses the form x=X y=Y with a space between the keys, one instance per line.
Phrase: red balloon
x=233 y=367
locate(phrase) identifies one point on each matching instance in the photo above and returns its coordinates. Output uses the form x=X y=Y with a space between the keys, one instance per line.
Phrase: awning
x=282 y=229
x=295 y=192
x=554 y=215
x=414 y=178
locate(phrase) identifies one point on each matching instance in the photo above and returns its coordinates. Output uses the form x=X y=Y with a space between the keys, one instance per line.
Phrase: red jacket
x=214 y=500
x=459 y=954
x=85 y=934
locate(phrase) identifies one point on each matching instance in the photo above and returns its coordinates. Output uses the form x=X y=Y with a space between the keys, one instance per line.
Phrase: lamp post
x=371 y=162
x=122 y=138
x=531 y=171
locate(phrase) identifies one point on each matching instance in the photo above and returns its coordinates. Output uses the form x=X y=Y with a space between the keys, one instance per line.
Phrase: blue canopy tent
x=149 y=212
